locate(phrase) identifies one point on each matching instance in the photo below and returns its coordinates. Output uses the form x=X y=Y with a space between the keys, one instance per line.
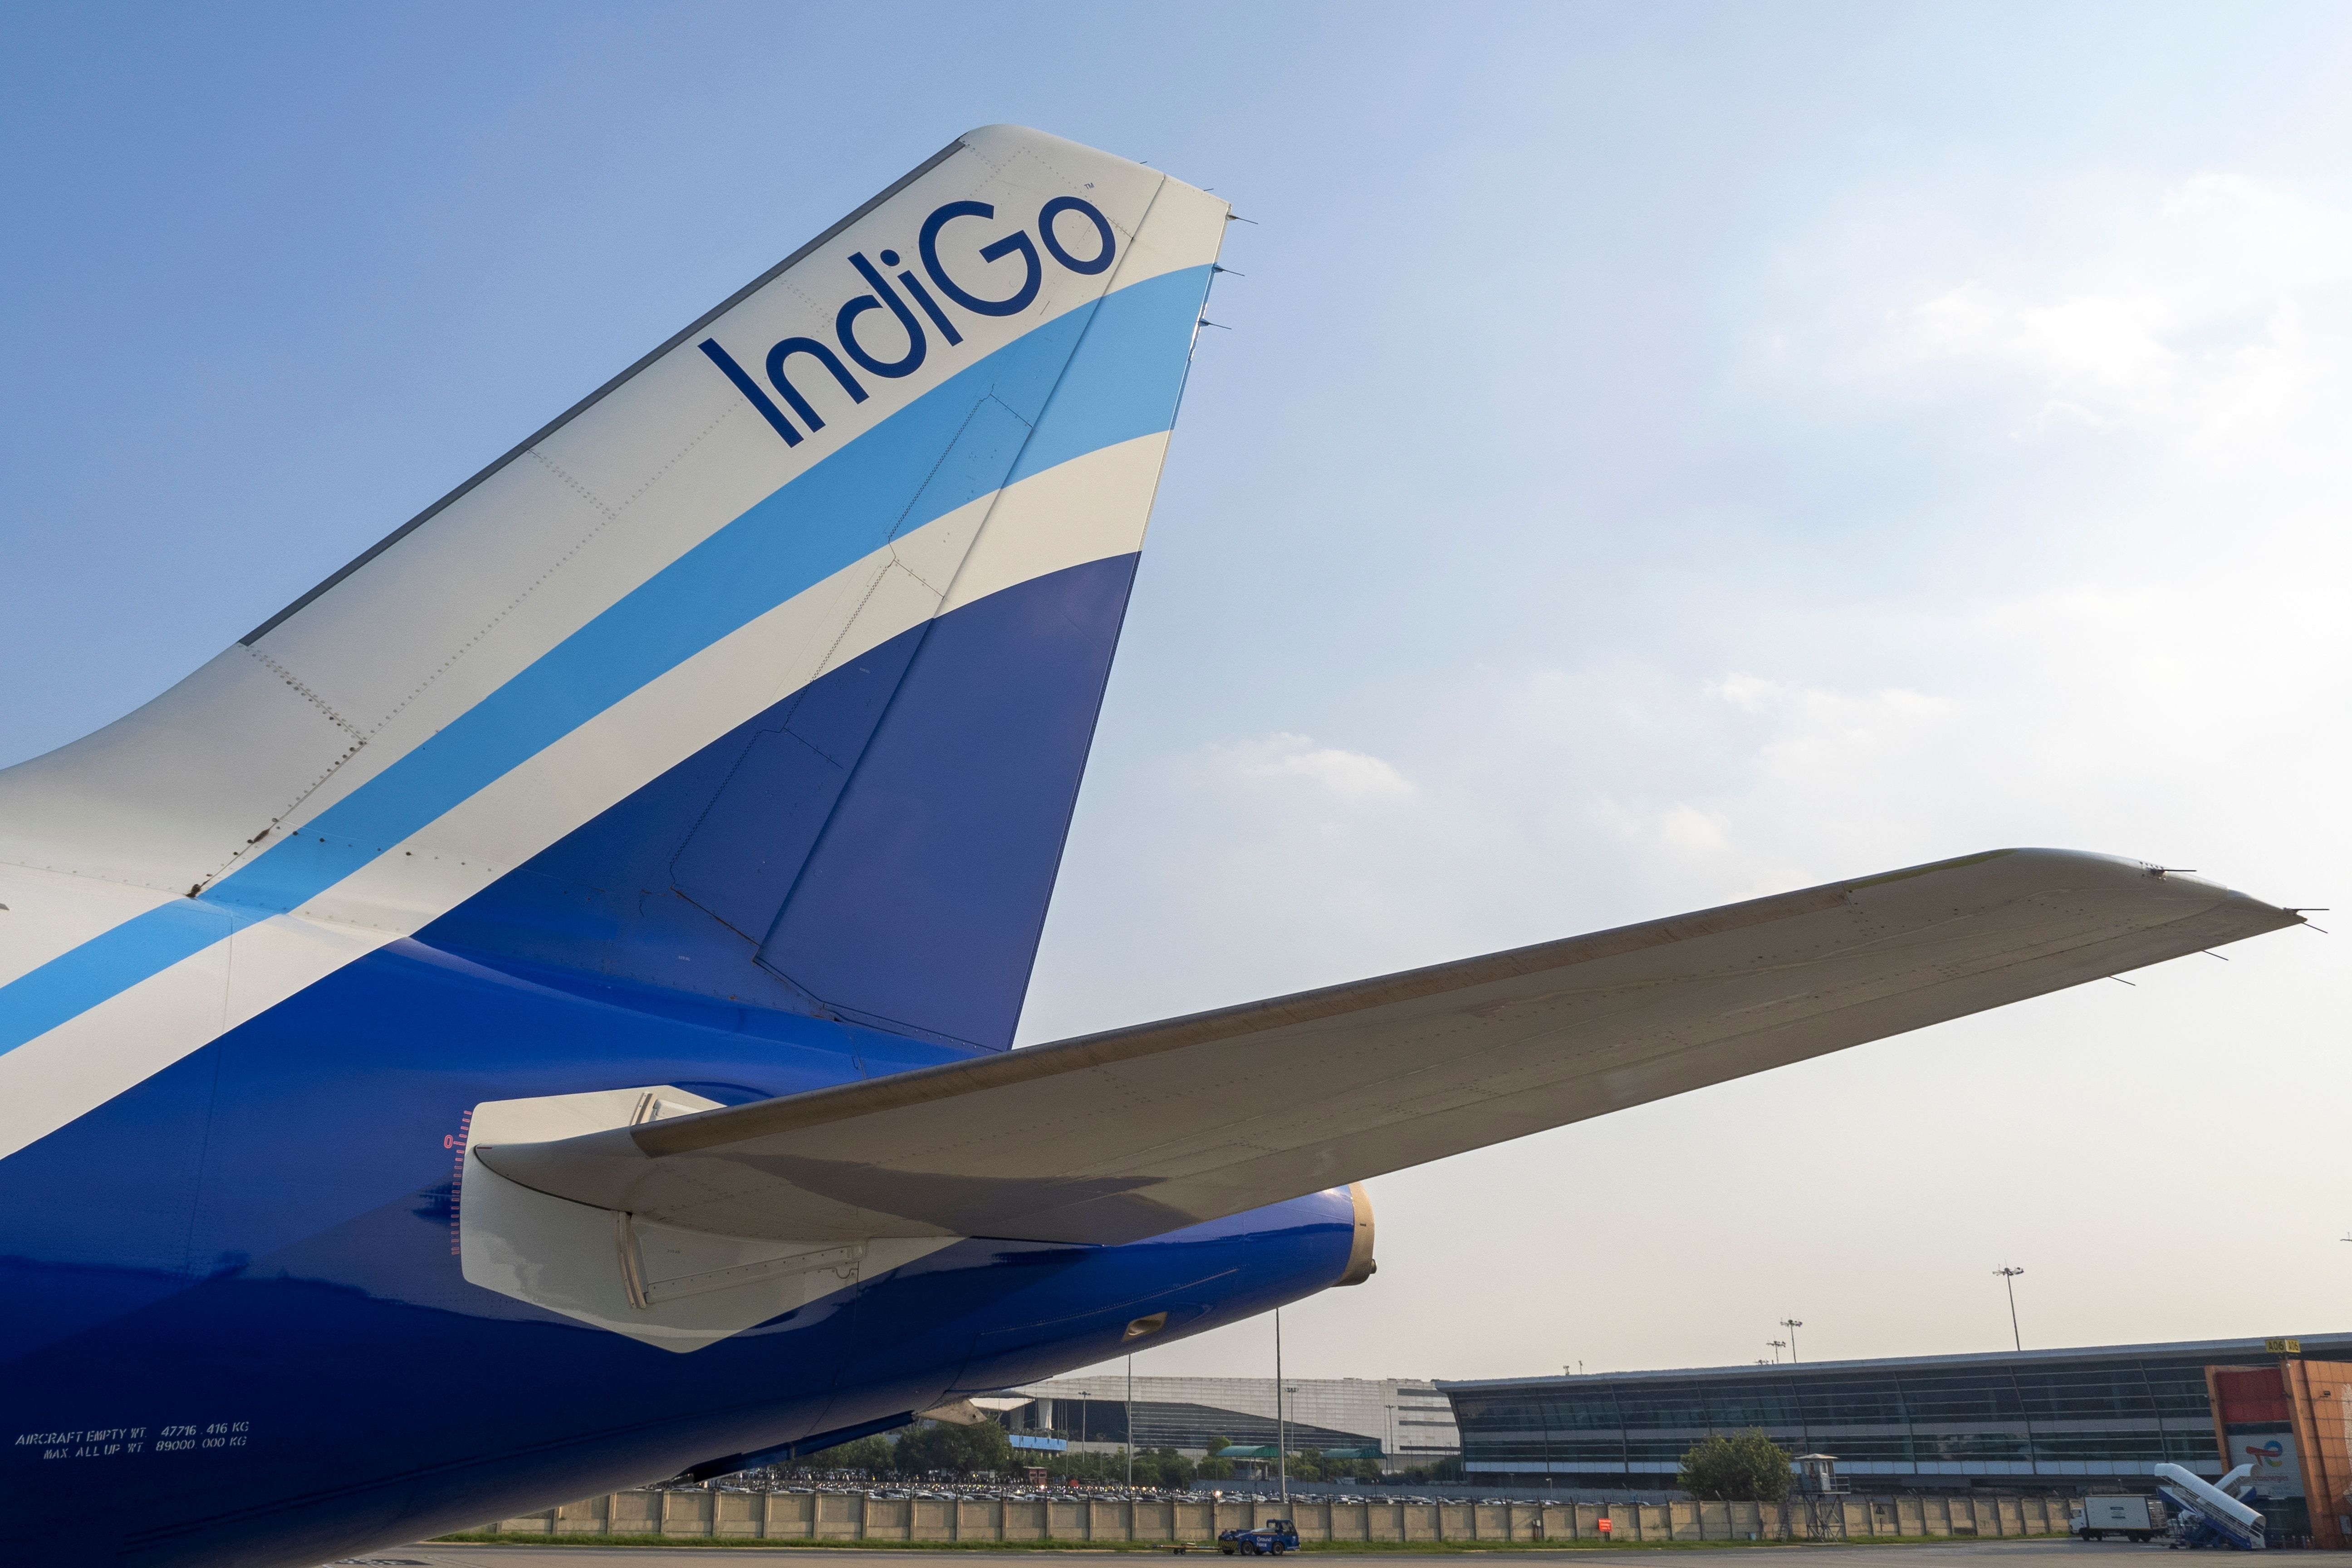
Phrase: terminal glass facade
x=2040 y=1418
x=1406 y=1422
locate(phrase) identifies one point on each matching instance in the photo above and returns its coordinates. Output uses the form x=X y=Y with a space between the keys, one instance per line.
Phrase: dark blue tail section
x=880 y=846
x=921 y=906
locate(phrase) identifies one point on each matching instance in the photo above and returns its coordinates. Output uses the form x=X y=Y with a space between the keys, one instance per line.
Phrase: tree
x=1162 y=1468
x=948 y=1446
x=1748 y=1466
x=1099 y=1469
x=872 y=1455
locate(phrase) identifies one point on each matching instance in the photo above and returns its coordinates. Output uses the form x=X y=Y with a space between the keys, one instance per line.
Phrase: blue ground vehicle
x=1272 y=1539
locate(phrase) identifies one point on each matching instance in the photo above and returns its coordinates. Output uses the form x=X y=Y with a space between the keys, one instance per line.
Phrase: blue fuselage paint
x=258 y=1245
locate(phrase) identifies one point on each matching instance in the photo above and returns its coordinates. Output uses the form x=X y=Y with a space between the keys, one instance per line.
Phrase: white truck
x=2131 y=1515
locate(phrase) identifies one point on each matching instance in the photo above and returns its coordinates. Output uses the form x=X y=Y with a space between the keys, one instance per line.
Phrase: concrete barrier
x=833 y=1516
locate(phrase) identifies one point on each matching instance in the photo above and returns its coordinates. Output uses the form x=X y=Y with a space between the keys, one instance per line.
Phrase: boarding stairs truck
x=2204 y=1513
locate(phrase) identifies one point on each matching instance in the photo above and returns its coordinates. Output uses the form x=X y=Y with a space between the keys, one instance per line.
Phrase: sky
x=1655 y=455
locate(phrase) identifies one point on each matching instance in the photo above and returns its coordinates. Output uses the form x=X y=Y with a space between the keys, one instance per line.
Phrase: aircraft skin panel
x=920 y=908
x=1075 y=512
x=923 y=912
x=72 y=911
x=231 y=734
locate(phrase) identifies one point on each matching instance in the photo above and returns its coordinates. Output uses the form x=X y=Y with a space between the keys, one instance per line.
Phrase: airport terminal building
x=2066 y=1420
x=1404 y=1422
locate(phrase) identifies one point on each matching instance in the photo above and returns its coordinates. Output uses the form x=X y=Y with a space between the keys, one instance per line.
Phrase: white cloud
x=1349 y=775
x=1680 y=828
x=2194 y=318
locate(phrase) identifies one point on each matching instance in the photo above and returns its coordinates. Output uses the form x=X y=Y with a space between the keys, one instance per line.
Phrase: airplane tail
x=768 y=671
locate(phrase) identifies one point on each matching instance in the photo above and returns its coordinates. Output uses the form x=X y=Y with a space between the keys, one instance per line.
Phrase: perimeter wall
x=803 y=1516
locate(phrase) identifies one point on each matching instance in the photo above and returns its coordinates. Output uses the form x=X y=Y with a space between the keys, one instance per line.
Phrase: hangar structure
x=2068 y=1420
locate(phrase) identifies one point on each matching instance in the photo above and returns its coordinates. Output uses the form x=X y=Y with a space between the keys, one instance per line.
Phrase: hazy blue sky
x=1664 y=453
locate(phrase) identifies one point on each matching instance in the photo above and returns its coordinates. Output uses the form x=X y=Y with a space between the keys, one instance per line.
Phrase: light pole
x=1131 y=1423
x=1778 y=1346
x=1792 y=1325
x=2008 y=1279
x=1281 y=1431
x=1292 y=1390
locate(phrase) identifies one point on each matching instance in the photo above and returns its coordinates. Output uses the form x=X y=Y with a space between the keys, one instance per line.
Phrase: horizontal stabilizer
x=1114 y=1137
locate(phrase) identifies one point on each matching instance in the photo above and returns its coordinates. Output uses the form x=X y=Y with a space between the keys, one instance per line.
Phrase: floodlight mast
x=1281 y=1432
x=2008 y=1278
x=1792 y=1325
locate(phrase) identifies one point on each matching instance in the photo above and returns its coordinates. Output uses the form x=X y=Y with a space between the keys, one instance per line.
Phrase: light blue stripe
x=1121 y=383
x=1103 y=400
x=79 y=980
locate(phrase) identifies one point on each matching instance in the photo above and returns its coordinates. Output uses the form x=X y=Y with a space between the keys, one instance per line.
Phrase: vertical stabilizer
x=781 y=650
